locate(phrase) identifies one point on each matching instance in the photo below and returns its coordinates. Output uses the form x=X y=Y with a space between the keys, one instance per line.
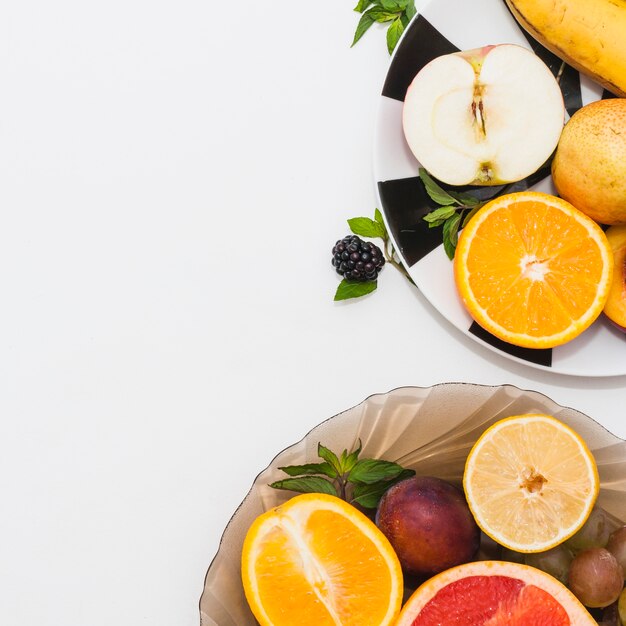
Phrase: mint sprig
x=373 y=229
x=455 y=211
x=357 y=481
x=397 y=13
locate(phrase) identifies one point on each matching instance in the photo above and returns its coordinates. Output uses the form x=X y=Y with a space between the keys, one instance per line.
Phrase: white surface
x=172 y=178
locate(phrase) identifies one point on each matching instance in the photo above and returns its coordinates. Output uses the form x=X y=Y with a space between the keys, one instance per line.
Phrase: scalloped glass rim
x=428 y=428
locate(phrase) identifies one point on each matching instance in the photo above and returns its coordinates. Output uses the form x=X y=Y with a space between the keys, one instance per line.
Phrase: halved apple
x=615 y=307
x=483 y=117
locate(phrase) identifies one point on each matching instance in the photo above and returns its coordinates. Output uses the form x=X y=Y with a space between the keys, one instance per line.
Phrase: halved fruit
x=532 y=269
x=483 y=116
x=316 y=560
x=530 y=482
x=493 y=593
x=615 y=307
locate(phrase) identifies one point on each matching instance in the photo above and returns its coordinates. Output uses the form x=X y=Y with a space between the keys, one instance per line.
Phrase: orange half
x=532 y=269
x=494 y=593
x=318 y=561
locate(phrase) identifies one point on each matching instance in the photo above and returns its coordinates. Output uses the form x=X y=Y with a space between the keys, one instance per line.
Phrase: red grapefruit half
x=493 y=593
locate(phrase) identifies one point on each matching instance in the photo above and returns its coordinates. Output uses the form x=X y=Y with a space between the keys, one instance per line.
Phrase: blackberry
x=357 y=260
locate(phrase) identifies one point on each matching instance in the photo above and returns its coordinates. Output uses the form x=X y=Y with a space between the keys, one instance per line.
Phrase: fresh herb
x=374 y=229
x=454 y=212
x=396 y=13
x=348 y=289
x=366 y=227
x=357 y=481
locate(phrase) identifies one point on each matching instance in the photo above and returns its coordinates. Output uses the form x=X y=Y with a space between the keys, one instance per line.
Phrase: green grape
x=555 y=562
x=593 y=534
x=617 y=546
x=595 y=577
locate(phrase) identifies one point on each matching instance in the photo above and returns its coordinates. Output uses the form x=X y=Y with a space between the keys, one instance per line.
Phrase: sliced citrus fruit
x=532 y=269
x=615 y=307
x=317 y=560
x=493 y=593
x=530 y=482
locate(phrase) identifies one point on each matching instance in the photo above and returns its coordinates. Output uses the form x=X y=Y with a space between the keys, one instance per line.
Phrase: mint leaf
x=366 y=227
x=310 y=468
x=352 y=458
x=342 y=461
x=330 y=457
x=308 y=484
x=436 y=193
x=370 y=471
x=455 y=205
x=369 y=496
x=362 y=27
x=451 y=234
x=362 y=5
x=469 y=215
x=464 y=198
x=381 y=16
x=378 y=216
x=398 y=12
x=436 y=223
x=394 y=32
x=393 y=5
x=410 y=10
x=348 y=289
x=438 y=216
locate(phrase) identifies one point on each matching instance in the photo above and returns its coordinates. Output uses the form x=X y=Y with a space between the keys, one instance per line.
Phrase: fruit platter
x=452 y=504
x=500 y=161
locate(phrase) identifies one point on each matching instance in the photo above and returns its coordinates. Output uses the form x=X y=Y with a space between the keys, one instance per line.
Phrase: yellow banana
x=590 y=35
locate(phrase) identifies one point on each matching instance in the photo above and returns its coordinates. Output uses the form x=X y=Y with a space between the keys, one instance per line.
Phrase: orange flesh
x=525 y=240
x=332 y=541
x=492 y=601
x=615 y=307
x=286 y=573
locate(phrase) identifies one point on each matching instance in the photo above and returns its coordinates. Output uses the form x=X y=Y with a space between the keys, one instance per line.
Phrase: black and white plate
x=441 y=27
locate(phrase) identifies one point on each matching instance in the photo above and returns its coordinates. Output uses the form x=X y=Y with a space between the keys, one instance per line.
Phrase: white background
x=173 y=176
